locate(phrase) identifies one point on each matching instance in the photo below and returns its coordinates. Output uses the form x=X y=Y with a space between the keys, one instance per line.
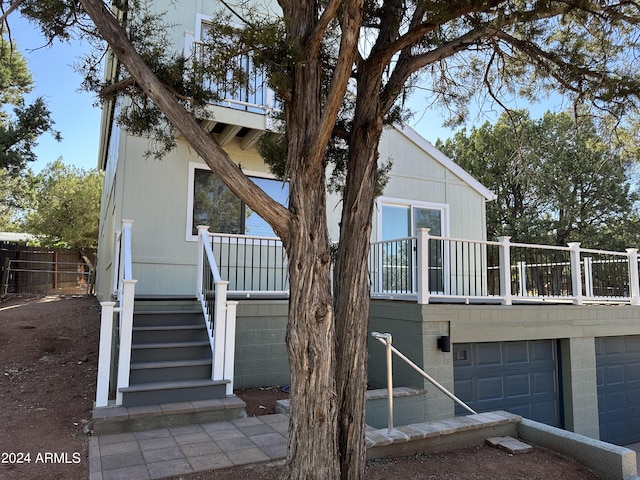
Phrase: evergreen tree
x=556 y=180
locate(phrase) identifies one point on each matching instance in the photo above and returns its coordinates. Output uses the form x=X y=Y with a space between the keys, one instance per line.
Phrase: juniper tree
x=370 y=52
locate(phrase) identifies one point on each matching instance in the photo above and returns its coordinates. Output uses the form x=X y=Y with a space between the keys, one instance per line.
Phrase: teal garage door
x=618 y=375
x=519 y=377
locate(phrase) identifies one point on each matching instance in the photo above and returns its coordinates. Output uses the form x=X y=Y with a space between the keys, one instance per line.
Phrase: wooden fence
x=48 y=271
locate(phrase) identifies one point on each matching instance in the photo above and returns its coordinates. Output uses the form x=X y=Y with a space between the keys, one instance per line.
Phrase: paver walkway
x=178 y=450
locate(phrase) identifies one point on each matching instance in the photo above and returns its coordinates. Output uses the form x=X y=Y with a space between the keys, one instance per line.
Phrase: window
x=401 y=219
x=213 y=204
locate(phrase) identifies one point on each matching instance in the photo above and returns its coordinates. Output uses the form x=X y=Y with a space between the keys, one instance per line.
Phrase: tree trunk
x=351 y=285
x=313 y=450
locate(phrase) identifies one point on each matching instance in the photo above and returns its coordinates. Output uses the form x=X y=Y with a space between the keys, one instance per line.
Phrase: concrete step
x=170 y=371
x=112 y=419
x=509 y=444
x=170 y=392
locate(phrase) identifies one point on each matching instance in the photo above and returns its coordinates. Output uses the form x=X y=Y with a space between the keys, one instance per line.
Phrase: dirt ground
x=48 y=359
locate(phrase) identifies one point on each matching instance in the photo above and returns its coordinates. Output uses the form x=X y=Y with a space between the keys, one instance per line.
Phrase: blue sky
x=55 y=80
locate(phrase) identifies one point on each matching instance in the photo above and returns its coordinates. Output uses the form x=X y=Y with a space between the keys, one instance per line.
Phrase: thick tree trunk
x=351 y=285
x=312 y=452
x=313 y=449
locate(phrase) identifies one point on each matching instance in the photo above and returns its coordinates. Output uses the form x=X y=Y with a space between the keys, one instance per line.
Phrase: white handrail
x=386 y=339
x=220 y=318
x=124 y=289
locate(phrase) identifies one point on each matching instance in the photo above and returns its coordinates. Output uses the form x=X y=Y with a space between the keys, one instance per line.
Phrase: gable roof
x=445 y=161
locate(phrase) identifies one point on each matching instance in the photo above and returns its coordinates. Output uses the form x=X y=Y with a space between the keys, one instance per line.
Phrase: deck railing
x=220 y=314
x=124 y=293
x=252 y=265
x=431 y=268
x=427 y=269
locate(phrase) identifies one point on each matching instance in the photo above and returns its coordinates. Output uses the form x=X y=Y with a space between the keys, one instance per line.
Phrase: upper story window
x=213 y=204
x=247 y=91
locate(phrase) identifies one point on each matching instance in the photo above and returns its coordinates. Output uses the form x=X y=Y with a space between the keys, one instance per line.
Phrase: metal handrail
x=386 y=339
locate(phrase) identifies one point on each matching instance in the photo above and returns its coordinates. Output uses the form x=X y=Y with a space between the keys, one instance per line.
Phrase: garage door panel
x=519 y=377
x=544 y=382
x=543 y=351
x=542 y=411
x=464 y=387
x=632 y=372
x=632 y=344
x=524 y=410
x=614 y=375
x=490 y=388
x=517 y=385
x=487 y=354
x=618 y=378
x=516 y=352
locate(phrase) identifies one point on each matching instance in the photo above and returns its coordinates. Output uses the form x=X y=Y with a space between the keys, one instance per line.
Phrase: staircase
x=170 y=355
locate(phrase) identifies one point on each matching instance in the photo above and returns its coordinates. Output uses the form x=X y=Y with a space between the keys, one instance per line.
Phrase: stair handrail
x=220 y=314
x=124 y=284
x=386 y=339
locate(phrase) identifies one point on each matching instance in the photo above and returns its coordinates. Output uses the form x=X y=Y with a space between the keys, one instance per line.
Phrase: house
x=551 y=333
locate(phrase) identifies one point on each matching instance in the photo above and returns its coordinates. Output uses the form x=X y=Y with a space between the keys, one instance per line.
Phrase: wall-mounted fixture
x=444 y=343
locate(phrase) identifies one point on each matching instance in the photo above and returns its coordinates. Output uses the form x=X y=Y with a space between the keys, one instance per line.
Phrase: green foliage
x=20 y=129
x=556 y=181
x=16 y=194
x=67 y=206
x=15 y=79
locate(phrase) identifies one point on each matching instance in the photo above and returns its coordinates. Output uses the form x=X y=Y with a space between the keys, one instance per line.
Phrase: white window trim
x=191 y=178
x=403 y=202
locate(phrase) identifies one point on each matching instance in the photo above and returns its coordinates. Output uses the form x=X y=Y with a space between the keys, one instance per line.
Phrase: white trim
x=200 y=19
x=445 y=161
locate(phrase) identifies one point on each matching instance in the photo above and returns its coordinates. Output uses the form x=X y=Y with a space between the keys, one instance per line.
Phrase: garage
x=618 y=377
x=519 y=377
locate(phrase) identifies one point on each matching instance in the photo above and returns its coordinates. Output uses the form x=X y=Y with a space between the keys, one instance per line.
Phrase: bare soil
x=48 y=359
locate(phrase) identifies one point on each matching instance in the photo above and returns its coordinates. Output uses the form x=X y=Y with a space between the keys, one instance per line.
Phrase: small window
x=213 y=204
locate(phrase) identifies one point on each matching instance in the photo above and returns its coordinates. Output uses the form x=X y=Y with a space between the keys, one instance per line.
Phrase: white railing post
x=203 y=232
x=219 y=330
x=126 y=244
x=126 y=333
x=576 y=273
x=116 y=264
x=505 y=270
x=634 y=278
x=230 y=345
x=522 y=278
x=588 y=276
x=104 y=354
x=423 y=266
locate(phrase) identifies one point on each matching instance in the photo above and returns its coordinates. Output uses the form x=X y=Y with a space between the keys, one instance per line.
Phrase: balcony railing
x=252 y=94
x=429 y=269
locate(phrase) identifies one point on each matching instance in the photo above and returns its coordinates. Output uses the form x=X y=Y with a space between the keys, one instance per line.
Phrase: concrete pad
x=509 y=444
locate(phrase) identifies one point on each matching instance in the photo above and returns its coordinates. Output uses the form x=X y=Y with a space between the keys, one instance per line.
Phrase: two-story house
x=529 y=328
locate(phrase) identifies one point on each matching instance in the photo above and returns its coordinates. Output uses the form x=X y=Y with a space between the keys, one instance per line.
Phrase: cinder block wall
x=261 y=352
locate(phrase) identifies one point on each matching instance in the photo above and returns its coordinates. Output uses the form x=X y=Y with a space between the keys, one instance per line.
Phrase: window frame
x=193 y=166
x=411 y=204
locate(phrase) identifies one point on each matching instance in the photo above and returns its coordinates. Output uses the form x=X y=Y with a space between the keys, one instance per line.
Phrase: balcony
x=429 y=269
x=243 y=112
